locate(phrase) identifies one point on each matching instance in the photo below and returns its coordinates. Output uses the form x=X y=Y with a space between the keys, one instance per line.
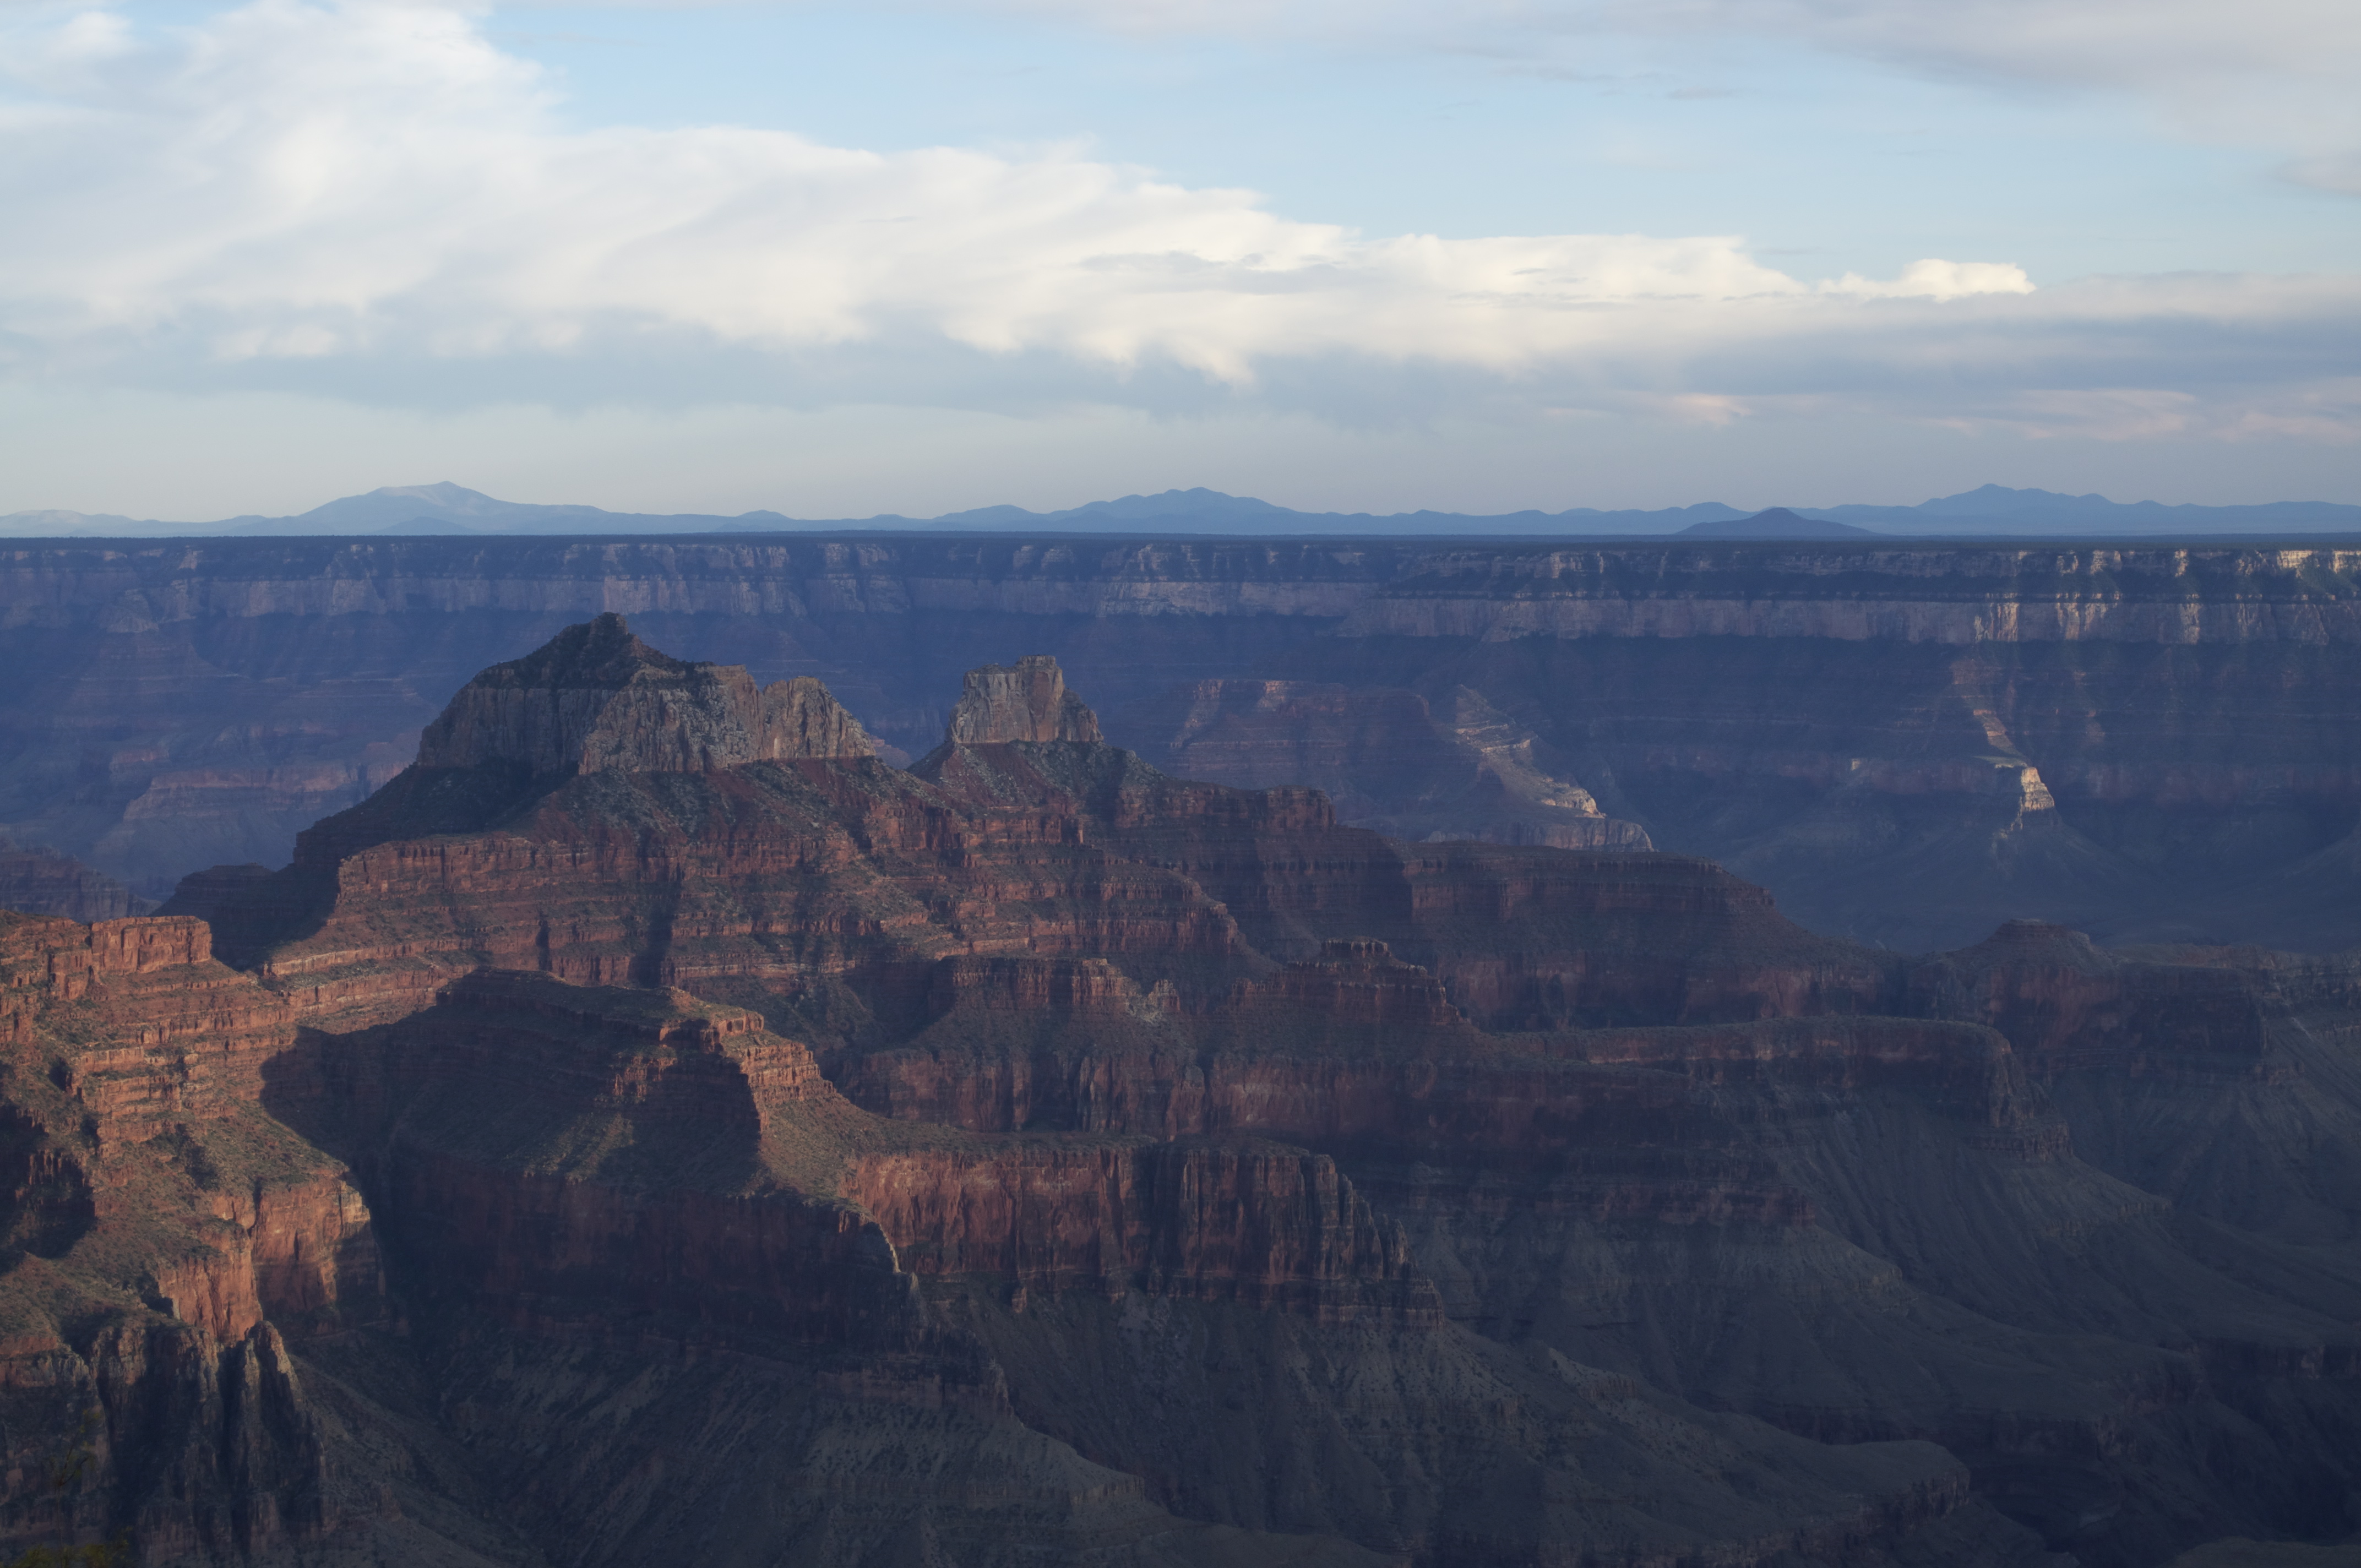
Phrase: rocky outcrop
x=740 y=1166
x=2068 y=1005
x=161 y=1231
x=36 y=881
x=1028 y=701
x=1237 y=1220
x=597 y=699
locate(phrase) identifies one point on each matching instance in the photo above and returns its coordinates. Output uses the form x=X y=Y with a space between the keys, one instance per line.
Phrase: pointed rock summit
x=1028 y=701
x=594 y=698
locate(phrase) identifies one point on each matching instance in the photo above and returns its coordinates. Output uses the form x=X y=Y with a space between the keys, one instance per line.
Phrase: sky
x=909 y=257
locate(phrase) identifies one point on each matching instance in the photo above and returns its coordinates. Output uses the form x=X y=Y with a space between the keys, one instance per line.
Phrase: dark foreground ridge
x=613 y=1145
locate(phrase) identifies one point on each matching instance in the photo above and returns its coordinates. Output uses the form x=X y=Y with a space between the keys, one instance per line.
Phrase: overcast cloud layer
x=374 y=203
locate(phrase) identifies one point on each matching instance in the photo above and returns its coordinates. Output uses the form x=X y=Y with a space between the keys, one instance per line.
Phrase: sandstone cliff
x=41 y=882
x=160 y=1230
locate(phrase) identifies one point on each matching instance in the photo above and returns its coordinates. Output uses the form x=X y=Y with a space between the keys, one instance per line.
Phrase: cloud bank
x=374 y=200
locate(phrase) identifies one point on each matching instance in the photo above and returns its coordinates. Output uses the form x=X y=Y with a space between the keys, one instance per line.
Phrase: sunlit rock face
x=1028 y=701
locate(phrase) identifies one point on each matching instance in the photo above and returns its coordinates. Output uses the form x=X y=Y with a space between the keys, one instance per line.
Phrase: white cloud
x=364 y=198
x=1936 y=280
x=295 y=181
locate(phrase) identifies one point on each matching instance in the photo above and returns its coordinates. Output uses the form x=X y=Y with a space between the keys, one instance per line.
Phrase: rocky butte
x=653 y=1124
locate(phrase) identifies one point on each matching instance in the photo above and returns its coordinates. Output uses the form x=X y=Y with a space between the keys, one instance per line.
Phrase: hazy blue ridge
x=1991 y=510
x=1775 y=522
x=1995 y=509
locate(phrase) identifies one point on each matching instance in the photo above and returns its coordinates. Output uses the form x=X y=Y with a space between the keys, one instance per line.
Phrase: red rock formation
x=1026 y=702
x=730 y=1197
x=37 y=881
x=1247 y=1222
x=163 y=1219
x=2068 y=1005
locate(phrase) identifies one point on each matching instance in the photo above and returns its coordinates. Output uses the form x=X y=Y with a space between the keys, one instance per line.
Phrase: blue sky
x=836 y=260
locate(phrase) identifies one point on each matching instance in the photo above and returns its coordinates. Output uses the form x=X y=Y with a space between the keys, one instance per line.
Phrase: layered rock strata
x=579 y=1163
x=801 y=1157
x=1871 y=592
x=598 y=699
x=1026 y=702
x=160 y=1231
x=35 y=881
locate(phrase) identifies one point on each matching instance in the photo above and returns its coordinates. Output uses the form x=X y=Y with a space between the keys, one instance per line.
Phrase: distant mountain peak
x=442 y=493
x=1999 y=500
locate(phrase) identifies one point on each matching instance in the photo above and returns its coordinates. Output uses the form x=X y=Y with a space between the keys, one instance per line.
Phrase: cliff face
x=160 y=1229
x=1028 y=702
x=42 y=882
x=574 y=1165
x=1959 y=595
x=1832 y=1222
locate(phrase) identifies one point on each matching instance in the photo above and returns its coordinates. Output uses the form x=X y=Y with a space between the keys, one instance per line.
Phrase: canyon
x=2145 y=741
x=1448 y=1056
x=653 y=1122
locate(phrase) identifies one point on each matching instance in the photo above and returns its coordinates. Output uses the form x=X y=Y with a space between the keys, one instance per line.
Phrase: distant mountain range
x=1993 y=509
x=1777 y=522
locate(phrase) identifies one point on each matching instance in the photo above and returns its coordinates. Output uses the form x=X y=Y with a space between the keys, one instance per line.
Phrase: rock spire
x=594 y=698
x=1028 y=701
